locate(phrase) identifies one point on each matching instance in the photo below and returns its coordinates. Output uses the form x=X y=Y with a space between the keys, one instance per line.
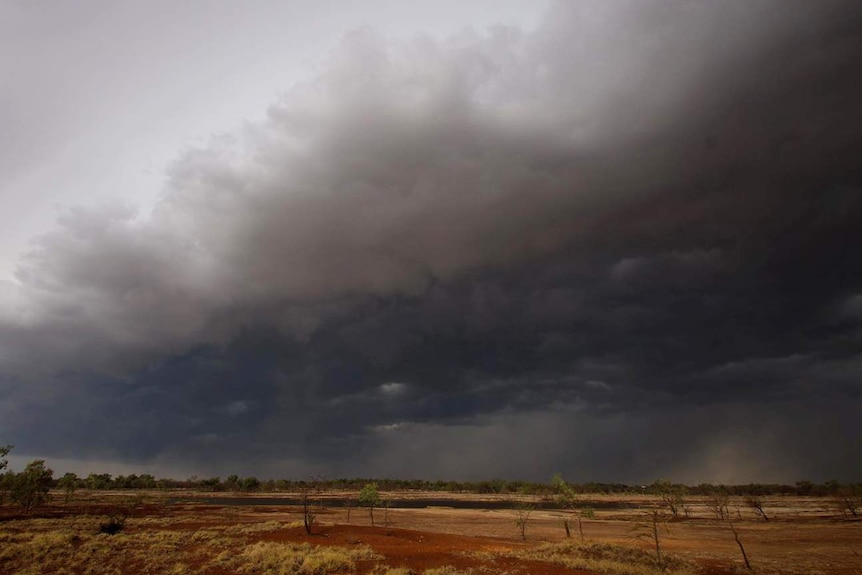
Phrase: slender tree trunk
x=741 y=548
x=581 y=528
x=655 y=537
x=306 y=513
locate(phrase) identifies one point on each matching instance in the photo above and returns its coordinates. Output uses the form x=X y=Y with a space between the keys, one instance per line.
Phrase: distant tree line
x=16 y=484
x=251 y=484
x=800 y=488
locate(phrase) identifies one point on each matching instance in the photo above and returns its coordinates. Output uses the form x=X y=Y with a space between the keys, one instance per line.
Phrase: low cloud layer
x=621 y=246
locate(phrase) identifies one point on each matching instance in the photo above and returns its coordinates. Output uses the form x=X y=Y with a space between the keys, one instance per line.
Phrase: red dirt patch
x=418 y=550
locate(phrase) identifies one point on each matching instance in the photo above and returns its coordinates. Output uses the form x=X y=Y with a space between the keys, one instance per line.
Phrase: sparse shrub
x=522 y=518
x=113 y=525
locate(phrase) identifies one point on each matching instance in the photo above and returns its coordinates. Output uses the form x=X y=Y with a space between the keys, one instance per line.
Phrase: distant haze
x=614 y=239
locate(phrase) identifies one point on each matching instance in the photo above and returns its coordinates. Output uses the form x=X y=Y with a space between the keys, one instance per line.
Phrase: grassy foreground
x=186 y=545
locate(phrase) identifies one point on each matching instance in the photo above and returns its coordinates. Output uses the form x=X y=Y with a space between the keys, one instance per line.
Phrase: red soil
x=418 y=550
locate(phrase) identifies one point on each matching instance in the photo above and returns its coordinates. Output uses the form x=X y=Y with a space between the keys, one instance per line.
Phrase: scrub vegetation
x=120 y=532
x=73 y=545
x=80 y=526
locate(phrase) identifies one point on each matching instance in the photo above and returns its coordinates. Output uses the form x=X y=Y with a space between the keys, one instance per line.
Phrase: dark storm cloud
x=639 y=219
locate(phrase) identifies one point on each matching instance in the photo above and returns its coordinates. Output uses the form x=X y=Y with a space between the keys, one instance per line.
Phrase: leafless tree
x=386 y=504
x=522 y=518
x=717 y=502
x=650 y=529
x=756 y=504
x=310 y=498
x=849 y=502
x=672 y=497
x=349 y=503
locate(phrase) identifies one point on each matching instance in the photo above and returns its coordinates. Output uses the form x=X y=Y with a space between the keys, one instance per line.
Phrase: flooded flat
x=406 y=503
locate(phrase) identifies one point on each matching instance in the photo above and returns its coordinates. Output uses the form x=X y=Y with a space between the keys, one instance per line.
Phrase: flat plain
x=225 y=534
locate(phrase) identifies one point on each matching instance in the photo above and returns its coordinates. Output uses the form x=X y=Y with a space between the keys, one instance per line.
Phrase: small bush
x=522 y=518
x=113 y=525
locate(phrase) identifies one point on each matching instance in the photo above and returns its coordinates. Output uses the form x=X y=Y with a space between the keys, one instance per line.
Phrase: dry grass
x=384 y=570
x=64 y=551
x=74 y=545
x=444 y=570
x=606 y=558
x=297 y=559
x=261 y=527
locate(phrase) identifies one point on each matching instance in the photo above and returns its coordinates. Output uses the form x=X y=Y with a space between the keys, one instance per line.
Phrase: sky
x=612 y=239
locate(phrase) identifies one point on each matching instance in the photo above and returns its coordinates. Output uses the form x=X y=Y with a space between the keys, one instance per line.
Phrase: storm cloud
x=622 y=245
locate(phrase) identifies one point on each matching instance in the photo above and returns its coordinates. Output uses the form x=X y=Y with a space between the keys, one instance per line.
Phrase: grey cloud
x=407 y=172
x=636 y=215
x=727 y=442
